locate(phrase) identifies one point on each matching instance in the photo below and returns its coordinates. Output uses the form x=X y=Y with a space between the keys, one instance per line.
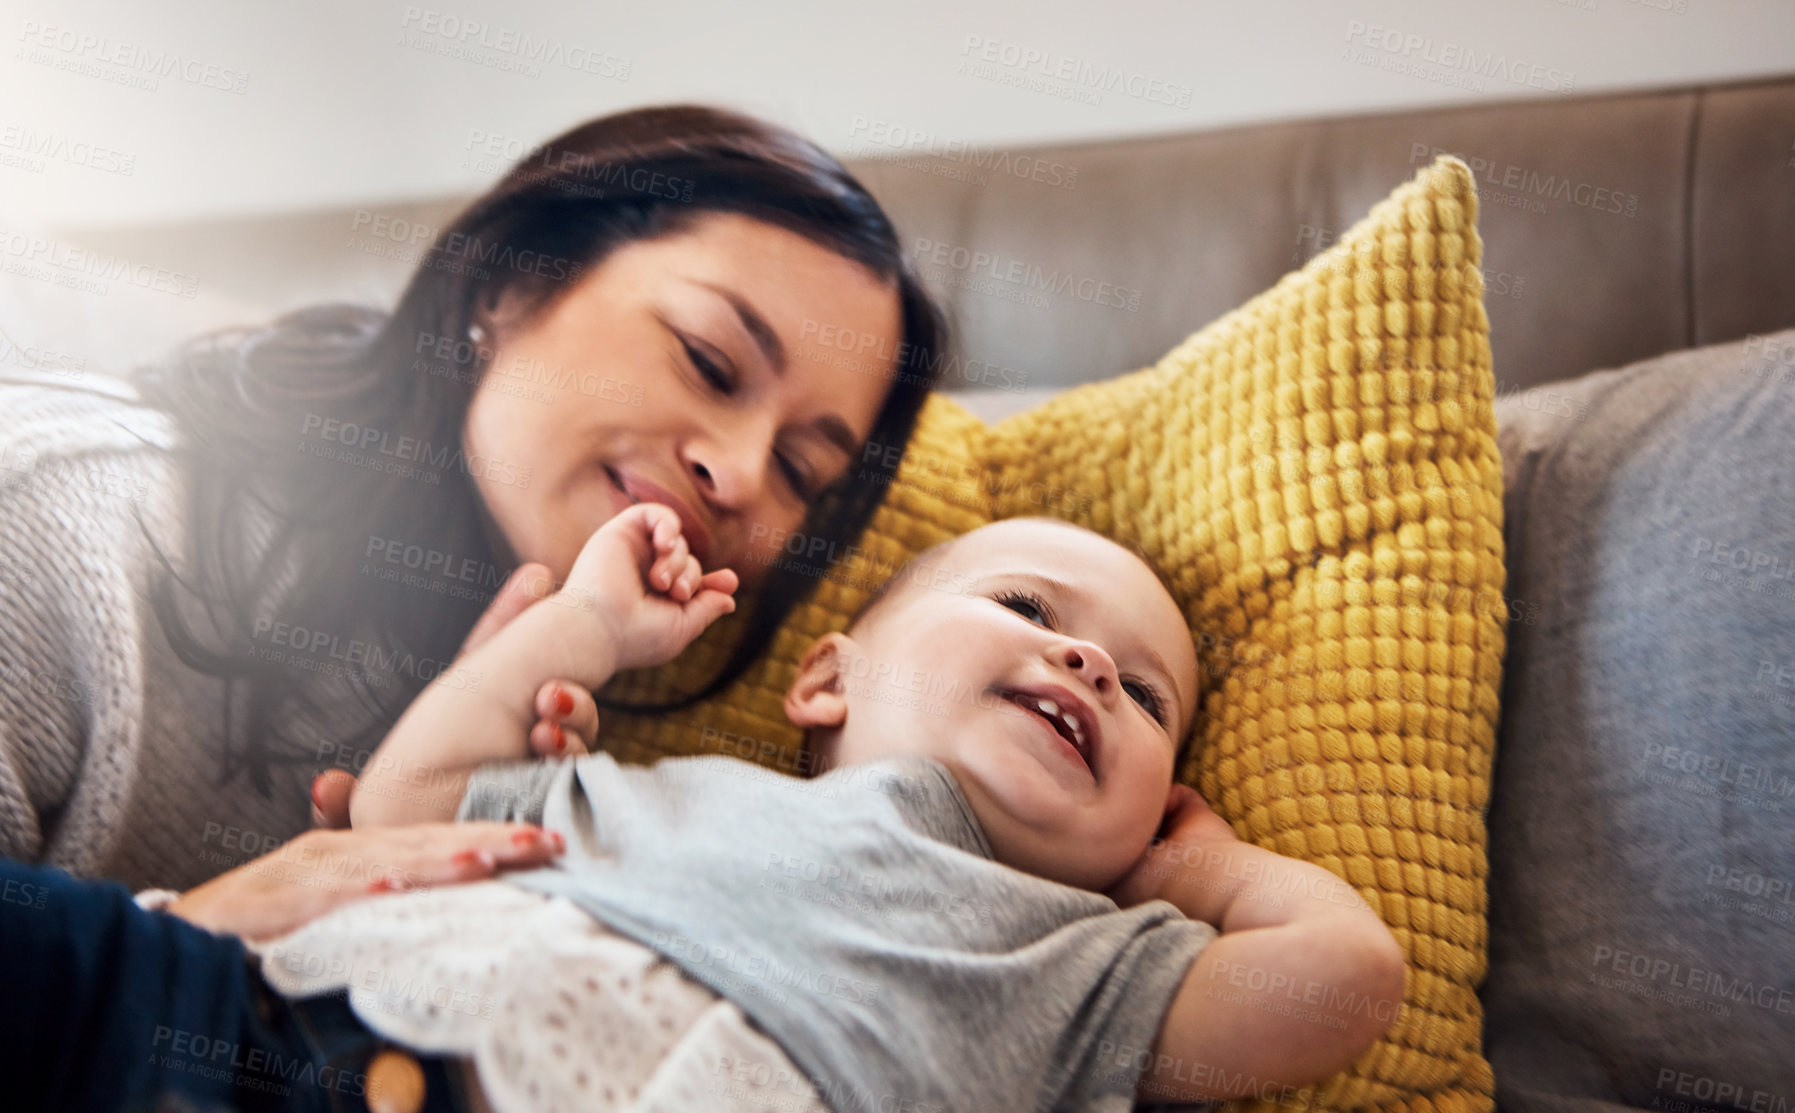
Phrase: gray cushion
x=1642 y=825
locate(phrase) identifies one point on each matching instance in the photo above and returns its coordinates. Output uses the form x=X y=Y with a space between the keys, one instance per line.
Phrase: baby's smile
x=1058 y=711
x=1075 y=677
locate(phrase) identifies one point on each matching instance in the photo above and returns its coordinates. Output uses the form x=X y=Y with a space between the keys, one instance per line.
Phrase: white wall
x=339 y=104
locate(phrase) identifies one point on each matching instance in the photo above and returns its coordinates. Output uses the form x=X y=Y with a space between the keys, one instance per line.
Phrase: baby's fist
x=648 y=585
x=1191 y=820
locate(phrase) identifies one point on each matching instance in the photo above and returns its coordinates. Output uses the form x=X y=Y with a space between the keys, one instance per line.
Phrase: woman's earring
x=476 y=333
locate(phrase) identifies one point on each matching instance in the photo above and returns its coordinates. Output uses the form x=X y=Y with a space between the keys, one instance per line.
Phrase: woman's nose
x=1089 y=661
x=730 y=473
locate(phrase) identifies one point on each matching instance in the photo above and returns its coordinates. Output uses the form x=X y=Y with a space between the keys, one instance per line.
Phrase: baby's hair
x=935 y=552
x=884 y=590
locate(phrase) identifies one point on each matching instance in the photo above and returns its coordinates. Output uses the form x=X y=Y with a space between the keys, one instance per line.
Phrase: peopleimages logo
x=1031 y=278
x=64 y=264
x=119 y=61
x=1530 y=187
x=409 y=457
x=1033 y=67
x=769 y=975
x=1425 y=49
x=1713 y=1093
x=877 y=137
x=454 y=251
x=505 y=47
x=28 y=148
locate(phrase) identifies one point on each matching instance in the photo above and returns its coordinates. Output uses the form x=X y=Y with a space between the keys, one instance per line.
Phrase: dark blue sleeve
x=109 y=1007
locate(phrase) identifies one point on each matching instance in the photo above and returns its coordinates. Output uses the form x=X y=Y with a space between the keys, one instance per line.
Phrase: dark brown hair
x=279 y=535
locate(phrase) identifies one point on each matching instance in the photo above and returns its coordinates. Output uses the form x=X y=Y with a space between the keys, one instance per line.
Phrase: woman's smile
x=637 y=488
x=719 y=452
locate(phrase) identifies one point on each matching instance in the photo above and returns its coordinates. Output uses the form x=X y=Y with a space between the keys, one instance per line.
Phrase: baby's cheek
x=1143 y=793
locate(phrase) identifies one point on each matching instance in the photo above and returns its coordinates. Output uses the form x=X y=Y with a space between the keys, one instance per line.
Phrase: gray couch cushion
x=1642 y=826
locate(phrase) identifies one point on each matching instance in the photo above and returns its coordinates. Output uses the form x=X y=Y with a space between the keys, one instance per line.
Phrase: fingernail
x=317 y=800
x=469 y=857
x=526 y=838
x=560 y=841
x=560 y=738
x=563 y=701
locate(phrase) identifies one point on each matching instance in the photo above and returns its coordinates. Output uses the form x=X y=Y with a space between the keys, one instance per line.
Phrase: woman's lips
x=637 y=489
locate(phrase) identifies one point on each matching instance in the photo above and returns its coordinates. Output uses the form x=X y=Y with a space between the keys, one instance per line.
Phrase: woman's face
x=676 y=371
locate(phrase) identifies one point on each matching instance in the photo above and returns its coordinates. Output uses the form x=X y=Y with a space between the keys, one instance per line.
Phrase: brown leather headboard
x=1615 y=227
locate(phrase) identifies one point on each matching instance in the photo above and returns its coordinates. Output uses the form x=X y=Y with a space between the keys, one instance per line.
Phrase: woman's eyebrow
x=831 y=426
x=837 y=433
x=756 y=325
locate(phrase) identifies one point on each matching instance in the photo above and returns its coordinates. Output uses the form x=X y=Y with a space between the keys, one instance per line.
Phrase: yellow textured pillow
x=1317 y=474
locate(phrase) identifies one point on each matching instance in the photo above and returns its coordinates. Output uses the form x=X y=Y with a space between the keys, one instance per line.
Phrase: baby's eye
x=1028 y=606
x=1147 y=698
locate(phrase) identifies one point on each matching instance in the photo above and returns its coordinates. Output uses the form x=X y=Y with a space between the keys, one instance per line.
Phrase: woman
x=216 y=610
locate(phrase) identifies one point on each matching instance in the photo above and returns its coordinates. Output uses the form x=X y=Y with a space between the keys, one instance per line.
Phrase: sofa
x=1640 y=278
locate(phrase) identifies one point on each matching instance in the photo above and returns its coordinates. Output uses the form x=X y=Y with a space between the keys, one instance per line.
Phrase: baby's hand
x=1192 y=820
x=1188 y=821
x=568 y=723
x=645 y=583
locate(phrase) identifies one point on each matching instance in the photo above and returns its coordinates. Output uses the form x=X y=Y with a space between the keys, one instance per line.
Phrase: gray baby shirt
x=860 y=920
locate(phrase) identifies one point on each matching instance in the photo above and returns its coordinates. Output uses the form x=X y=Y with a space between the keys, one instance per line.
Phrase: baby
x=993 y=896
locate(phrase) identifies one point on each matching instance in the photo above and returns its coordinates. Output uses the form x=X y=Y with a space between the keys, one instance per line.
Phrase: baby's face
x=1046 y=668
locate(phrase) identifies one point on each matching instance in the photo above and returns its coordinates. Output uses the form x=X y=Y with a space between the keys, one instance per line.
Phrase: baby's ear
x=818 y=698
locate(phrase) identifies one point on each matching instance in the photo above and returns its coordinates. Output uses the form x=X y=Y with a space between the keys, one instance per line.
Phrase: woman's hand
x=527 y=584
x=566 y=722
x=320 y=870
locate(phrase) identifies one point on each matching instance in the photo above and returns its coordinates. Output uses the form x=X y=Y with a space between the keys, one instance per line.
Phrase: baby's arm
x=481 y=710
x=635 y=598
x=1303 y=979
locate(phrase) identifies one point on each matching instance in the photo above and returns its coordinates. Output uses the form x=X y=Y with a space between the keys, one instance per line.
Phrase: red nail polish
x=560 y=738
x=526 y=838
x=563 y=701
x=464 y=857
